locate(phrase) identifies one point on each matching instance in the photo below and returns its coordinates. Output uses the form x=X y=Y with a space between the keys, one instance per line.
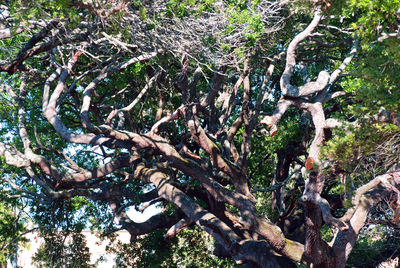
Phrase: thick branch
x=200 y=136
x=50 y=111
x=387 y=180
x=366 y=197
x=286 y=87
x=28 y=50
x=193 y=211
x=175 y=229
x=98 y=172
x=13 y=157
x=134 y=228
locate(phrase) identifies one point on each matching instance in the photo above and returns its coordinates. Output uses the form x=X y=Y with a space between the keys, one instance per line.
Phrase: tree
x=63 y=250
x=264 y=123
x=189 y=248
x=12 y=229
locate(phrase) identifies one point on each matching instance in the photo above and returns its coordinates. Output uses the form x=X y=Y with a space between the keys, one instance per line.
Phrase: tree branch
x=28 y=50
x=286 y=87
x=366 y=197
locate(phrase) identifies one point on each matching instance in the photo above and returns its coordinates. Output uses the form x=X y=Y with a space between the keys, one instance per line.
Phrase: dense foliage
x=267 y=132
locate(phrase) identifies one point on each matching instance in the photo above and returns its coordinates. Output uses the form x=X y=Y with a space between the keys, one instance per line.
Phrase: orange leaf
x=76 y=56
x=309 y=163
x=193 y=155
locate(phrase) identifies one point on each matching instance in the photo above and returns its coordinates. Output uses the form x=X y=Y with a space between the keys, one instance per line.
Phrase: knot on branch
x=304 y=198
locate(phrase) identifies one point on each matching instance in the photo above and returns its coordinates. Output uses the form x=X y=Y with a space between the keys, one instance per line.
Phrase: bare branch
x=179 y=226
x=6 y=33
x=385 y=36
x=175 y=115
x=135 y=101
x=196 y=213
x=13 y=157
x=366 y=197
x=104 y=74
x=344 y=64
x=386 y=180
x=50 y=109
x=28 y=50
x=286 y=87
